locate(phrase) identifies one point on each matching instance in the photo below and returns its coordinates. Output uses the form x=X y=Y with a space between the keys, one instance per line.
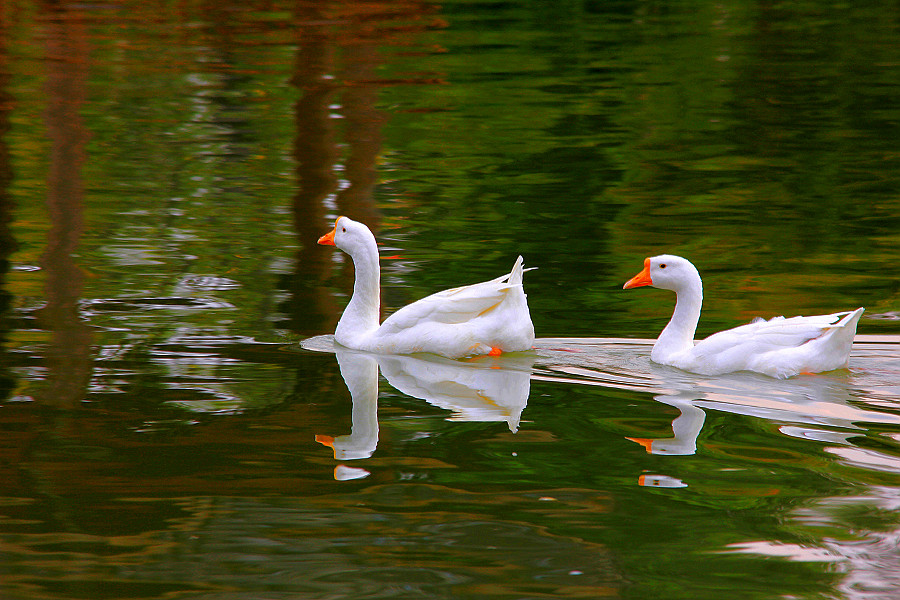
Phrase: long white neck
x=362 y=313
x=678 y=335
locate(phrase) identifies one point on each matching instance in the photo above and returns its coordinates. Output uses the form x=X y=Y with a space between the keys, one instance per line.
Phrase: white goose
x=778 y=347
x=484 y=318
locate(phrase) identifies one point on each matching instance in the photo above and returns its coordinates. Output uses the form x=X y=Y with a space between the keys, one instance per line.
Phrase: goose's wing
x=457 y=305
x=762 y=336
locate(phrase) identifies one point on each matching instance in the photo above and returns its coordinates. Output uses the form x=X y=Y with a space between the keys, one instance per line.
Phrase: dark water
x=165 y=170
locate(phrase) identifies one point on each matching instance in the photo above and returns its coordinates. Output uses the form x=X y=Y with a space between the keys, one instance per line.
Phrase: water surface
x=166 y=169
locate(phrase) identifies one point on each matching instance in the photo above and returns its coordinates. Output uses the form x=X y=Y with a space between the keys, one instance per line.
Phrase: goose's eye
x=662 y=266
x=344 y=229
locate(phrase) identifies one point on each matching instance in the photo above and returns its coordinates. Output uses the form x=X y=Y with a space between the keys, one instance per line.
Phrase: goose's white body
x=778 y=347
x=488 y=317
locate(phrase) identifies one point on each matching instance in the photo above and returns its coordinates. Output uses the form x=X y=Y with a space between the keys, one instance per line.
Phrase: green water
x=165 y=170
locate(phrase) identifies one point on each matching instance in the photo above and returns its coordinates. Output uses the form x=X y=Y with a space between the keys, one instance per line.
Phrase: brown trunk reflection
x=362 y=126
x=310 y=308
x=68 y=357
x=336 y=70
x=7 y=242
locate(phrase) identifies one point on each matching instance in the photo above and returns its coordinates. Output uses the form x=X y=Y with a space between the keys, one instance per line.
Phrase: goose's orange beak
x=642 y=278
x=645 y=442
x=325 y=440
x=328 y=238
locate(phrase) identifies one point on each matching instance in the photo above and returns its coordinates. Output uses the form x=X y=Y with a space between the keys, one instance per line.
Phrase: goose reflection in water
x=482 y=389
x=686 y=427
x=825 y=407
x=816 y=407
x=360 y=373
x=812 y=404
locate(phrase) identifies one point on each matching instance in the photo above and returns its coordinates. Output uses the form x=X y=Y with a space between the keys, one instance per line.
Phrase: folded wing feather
x=776 y=333
x=457 y=305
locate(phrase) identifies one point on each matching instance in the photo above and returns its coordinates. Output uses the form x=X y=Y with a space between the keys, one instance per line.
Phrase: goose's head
x=349 y=235
x=666 y=272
